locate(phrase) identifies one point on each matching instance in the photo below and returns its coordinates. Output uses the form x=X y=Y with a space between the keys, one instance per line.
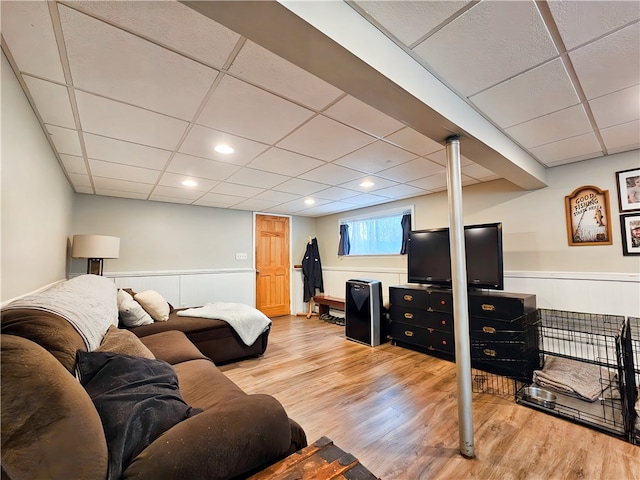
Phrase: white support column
x=460 y=299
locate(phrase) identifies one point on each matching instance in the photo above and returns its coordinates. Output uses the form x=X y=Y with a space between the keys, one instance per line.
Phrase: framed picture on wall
x=628 y=183
x=588 y=219
x=630 y=226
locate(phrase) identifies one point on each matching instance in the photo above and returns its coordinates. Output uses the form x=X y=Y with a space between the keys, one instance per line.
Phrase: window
x=383 y=233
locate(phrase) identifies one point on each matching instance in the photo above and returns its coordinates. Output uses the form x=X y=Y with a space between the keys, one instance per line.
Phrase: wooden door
x=272 y=265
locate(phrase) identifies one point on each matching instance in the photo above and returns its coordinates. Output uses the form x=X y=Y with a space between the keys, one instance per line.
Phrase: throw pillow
x=137 y=399
x=131 y=312
x=117 y=340
x=154 y=304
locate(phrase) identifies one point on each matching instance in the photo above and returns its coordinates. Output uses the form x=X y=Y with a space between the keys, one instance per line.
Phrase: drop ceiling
x=134 y=95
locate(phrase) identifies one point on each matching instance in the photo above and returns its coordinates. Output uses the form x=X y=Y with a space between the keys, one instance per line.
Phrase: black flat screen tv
x=429 y=257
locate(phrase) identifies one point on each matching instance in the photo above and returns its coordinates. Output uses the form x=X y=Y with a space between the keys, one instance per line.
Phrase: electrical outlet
x=241 y=256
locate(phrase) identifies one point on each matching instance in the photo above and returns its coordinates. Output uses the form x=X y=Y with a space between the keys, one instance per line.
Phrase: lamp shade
x=95 y=246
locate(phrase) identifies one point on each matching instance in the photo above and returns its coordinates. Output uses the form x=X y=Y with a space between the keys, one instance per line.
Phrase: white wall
x=36 y=198
x=537 y=257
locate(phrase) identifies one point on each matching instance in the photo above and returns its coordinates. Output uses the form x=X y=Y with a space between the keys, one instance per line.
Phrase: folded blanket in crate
x=571 y=377
x=248 y=322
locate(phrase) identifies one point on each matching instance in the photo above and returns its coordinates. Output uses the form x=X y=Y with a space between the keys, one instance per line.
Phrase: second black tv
x=429 y=257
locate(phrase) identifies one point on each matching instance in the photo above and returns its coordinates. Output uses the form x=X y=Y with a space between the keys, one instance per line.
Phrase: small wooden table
x=320 y=461
x=325 y=303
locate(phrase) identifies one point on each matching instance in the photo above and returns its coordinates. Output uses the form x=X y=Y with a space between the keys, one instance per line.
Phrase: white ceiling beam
x=332 y=41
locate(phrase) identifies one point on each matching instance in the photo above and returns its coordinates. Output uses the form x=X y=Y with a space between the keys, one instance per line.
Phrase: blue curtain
x=344 y=246
x=406 y=230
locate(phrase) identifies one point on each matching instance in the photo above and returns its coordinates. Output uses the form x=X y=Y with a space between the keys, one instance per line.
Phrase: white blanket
x=248 y=322
x=87 y=302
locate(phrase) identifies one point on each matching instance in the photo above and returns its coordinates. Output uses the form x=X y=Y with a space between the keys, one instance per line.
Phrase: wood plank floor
x=395 y=410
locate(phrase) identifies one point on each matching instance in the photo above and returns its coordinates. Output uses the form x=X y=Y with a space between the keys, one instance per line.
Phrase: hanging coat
x=312 y=270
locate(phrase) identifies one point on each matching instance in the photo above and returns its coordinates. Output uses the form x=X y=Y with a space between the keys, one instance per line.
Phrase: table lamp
x=95 y=248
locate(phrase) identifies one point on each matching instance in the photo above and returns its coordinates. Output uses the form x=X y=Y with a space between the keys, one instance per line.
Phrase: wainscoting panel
x=166 y=285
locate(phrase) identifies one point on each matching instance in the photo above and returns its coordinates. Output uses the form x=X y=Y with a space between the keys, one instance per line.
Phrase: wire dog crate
x=631 y=361
x=583 y=377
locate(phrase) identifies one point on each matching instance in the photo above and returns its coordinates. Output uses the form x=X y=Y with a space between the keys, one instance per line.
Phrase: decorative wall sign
x=588 y=220
x=630 y=226
x=628 y=182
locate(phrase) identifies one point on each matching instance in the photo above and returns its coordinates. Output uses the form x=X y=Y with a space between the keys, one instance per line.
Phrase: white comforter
x=248 y=322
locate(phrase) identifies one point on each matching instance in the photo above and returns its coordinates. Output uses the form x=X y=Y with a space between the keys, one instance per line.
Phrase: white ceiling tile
x=378 y=183
x=331 y=174
x=175 y=180
x=408 y=21
x=27 y=28
x=171 y=24
x=256 y=178
x=118 y=120
x=73 y=164
x=610 y=64
x=432 y=183
x=163 y=191
x=116 y=64
x=218 y=200
x=319 y=210
x=300 y=205
x=255 y=204
x=52 y=101
x=413 y=141
x=201 y=140
x=580 y=147
x=352 y=111
x=80 y=180
x=281 y=161
x=325 y=139
x=119 y=151
x=619 y=107
x=366 y=199
x=121 y=194
x=300 y=187
x=418 y=168
x=242 y=109
x=335 y=193
x=65 y=140
x=278 y=197
x=160 y=198
x=87 y=190
x=586 y=156
x=471 y=56
x=237 y=190
x=400 y=191
x=201 y=167
x=122 y=172
x=532 y=94
x=114 y=185
x=260 y=66
x=622 y=138
x=375 y=157
x=581 y=22
x=551 y=128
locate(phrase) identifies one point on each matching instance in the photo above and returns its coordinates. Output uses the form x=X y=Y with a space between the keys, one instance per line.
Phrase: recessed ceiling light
x=189 y=183
x=226 y=149
x=309 y=201
x=367 y=184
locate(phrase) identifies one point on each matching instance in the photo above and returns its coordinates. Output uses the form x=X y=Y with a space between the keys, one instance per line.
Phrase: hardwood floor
x=395 y=410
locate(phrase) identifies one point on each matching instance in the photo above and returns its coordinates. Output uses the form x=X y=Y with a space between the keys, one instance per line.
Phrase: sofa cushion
x=130 y=312
x=49 y=330
x=46 y=415
x=154 y=304
x=122 y=341
x=172 y=346
x=137 y=399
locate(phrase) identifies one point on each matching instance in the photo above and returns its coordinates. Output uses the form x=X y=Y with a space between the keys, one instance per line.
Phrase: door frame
x=255 y=284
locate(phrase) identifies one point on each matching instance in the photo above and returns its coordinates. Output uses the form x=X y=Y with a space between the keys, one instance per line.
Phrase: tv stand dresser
x=503 y=327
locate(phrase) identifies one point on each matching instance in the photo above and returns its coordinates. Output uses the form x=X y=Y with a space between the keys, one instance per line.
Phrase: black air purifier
x=363 y=312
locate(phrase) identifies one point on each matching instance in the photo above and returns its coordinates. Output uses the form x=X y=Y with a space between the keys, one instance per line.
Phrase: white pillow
x=154 y=304
x=131 y=312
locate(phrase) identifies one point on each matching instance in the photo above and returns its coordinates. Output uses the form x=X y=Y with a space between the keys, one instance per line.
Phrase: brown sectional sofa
x=53 y=402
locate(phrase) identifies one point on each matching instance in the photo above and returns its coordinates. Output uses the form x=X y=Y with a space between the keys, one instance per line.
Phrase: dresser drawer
x=427 y=338
x=504 y=306
x=409 y=297
x=495 y=330
x=500 y=350
x=422 y=318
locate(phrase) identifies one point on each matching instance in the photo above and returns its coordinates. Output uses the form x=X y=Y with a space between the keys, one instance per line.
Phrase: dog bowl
x=539 y=396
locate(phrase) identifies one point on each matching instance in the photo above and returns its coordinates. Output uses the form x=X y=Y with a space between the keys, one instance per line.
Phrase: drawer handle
x=488 y=308
x=430 y=348
x=408 y=333
x=488 y=330
x=408 y=315
x=490 y=353
x=430 y=330
x=408 y=298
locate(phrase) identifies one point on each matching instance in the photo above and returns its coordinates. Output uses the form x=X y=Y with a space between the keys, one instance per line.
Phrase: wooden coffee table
x=321 y=461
